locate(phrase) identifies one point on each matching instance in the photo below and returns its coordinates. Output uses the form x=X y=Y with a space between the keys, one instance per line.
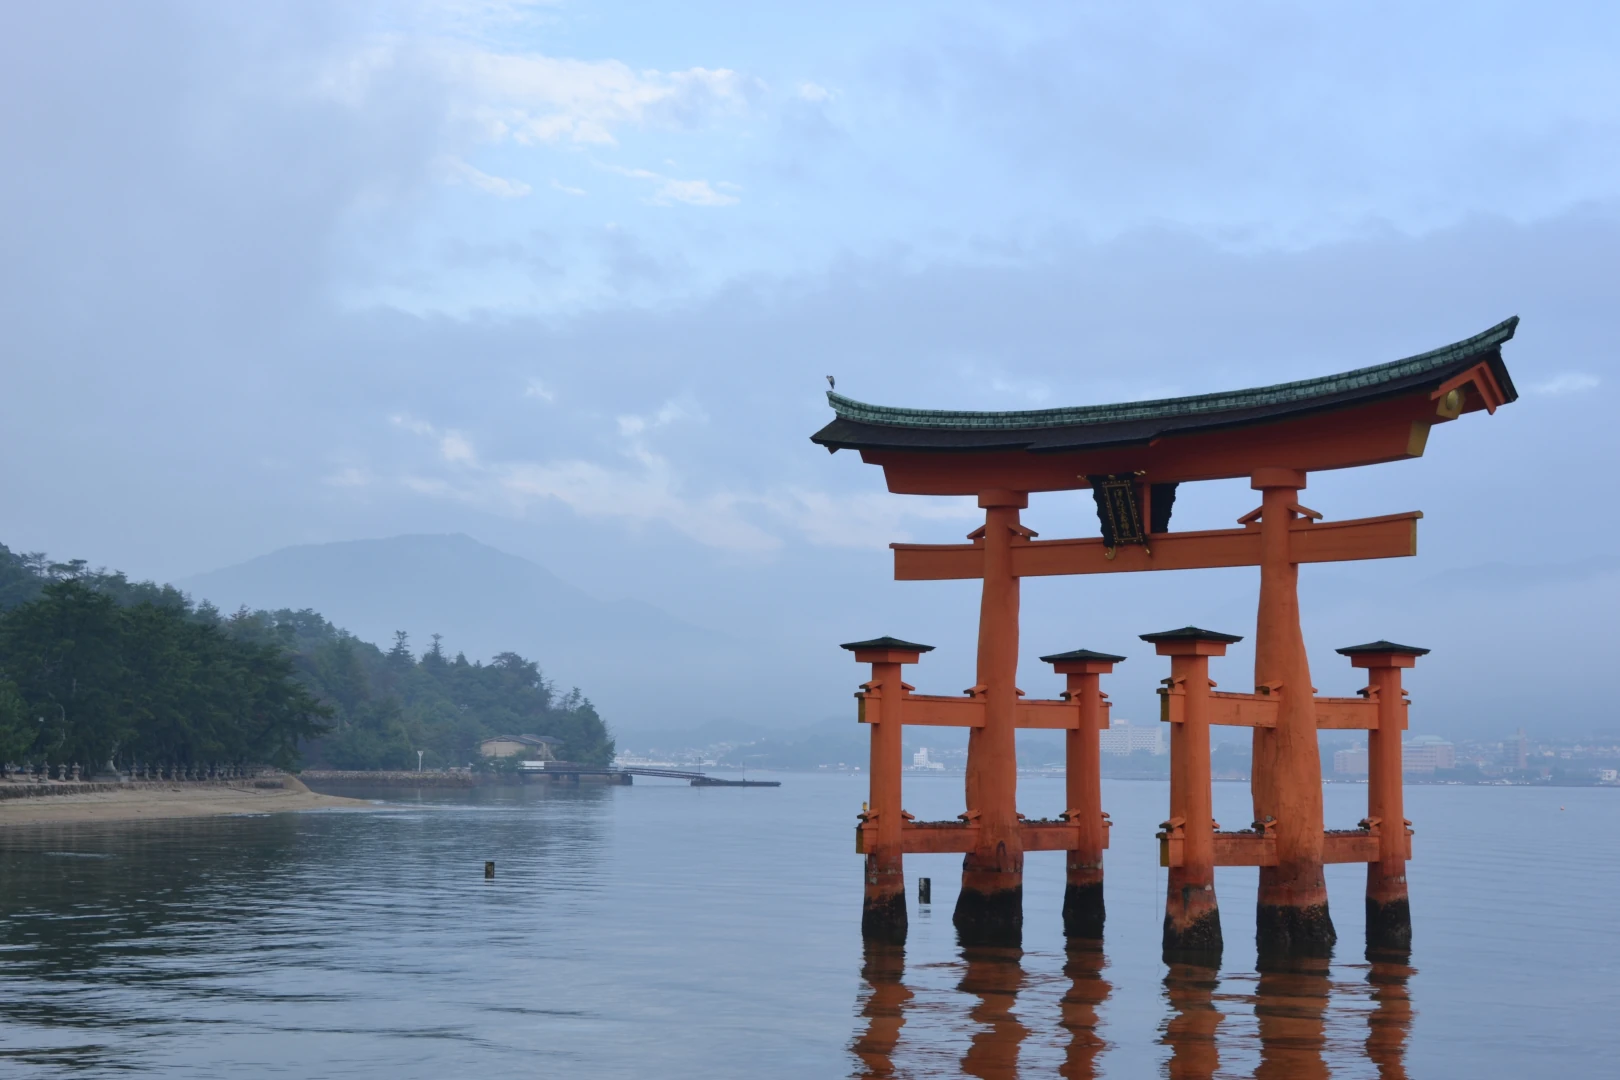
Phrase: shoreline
x=86 y=803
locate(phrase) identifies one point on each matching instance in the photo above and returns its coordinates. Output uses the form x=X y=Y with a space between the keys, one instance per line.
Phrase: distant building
x=535 y=747
x=1426 y=753
x=1519 y=751
x=921 y=760
x=1123 y=738
x=1351 y=762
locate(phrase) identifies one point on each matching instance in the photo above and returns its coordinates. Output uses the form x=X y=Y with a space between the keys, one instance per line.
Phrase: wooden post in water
x=882 y=704
x=1389 y=913
x=1192 y=918
x=1083 y=909
x=489 y=869
x=990 y=907
x=1291 y=916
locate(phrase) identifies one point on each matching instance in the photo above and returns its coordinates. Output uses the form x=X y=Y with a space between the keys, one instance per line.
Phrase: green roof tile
x=1301 y=391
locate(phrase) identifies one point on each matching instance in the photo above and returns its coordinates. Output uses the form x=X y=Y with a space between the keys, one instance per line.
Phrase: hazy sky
x=567 y=277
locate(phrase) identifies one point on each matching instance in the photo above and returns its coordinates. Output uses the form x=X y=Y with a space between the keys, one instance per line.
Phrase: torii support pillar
x=1291 y=917
x=1083 y=910
x=1192 y=917
x=1389 y=913
x=990 y=907
x=883 y=913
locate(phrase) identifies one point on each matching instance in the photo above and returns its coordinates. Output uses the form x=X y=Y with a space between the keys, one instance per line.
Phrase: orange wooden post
x=883 y=914
x=990 y=907
x=1389 y=914
x=1192 y=918
x=1292 y=911
x=1083 y=908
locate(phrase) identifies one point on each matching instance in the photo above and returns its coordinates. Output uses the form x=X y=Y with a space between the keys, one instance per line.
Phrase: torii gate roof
x=1302 y=424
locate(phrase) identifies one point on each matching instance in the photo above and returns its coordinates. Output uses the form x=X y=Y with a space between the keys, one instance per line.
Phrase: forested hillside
x=94 y=667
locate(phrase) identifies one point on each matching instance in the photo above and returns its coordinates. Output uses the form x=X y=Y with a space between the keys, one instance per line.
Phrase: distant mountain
x=642 y=666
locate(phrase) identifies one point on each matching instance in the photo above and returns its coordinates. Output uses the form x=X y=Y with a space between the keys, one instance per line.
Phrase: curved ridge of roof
x=1279 y=394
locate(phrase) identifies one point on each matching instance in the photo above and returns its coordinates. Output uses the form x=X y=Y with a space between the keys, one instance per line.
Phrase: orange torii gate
x=1132 y=457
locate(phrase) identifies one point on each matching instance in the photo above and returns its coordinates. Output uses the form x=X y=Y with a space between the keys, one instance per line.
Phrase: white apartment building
x=1426 y=753
x=1422 y=754
x=1123 y=738
x=921 y=760
x=1351 y=762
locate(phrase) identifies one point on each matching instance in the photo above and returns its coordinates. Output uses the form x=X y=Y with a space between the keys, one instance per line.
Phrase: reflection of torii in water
x=1391 y=1019
x=994 y=976
x=1290 y=1003
x=884 y=971
x=1190 y=1030
x=1291 y=1006
x=1087 y=990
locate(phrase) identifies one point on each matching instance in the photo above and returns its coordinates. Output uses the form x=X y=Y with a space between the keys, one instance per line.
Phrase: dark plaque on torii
x=1120 y=514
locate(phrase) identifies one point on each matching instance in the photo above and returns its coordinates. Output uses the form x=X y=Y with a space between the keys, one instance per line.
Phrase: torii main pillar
x=990 y=907
x=1292 y=908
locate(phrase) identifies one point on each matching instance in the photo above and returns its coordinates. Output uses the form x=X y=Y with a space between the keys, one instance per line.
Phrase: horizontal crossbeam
x=1389 y=537
x=959 y=837
x=1260 y=710
x=933 y=710
x=1257 y=849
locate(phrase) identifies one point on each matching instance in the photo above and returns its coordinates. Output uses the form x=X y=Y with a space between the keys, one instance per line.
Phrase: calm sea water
x=667 y=931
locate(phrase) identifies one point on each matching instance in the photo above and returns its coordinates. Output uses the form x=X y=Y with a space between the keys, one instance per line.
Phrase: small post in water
x=925 y=890
x=489 y=868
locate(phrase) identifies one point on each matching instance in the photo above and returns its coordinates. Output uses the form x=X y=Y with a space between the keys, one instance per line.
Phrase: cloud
x=411 y=424
x=668 y=190
x=693 y=193
x=453 y=446
x=459 y=171
x=537 y=389
x=1035 y=392
x=672 y=411
x=809 y=91
x=869 y=520
x=643 y=490
x=1570 y=382
x=350 y=477
x=533 y=99
x=558 y=185
x=642 y=486
x=639 y=486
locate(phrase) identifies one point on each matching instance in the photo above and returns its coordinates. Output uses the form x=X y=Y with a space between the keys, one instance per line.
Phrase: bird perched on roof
x=831 y=383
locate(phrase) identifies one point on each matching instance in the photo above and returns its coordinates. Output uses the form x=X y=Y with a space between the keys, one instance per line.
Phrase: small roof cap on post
x=1083 y=662
x=1192 y=633
x=1382 y=654
x=1381 y=646
x=1083 y=654
x=886 y=643
x=1191 y=641
x=886 y=650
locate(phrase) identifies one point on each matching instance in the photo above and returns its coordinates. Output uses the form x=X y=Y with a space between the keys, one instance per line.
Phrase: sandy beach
x=155 y=801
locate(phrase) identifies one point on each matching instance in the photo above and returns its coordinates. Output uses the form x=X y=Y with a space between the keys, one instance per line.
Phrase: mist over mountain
x=642 y=666
x=653 y=673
